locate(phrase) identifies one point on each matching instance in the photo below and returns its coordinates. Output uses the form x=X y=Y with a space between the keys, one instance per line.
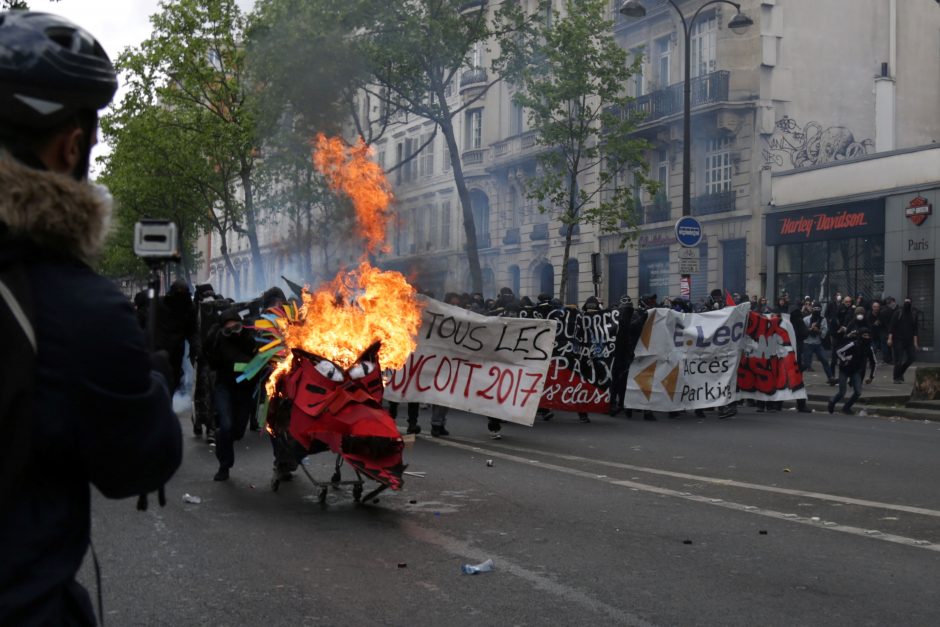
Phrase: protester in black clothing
x=96 y=412
x=175 y=325
x=853 y=352
x=902 y=338
x=875 y=326
x=802 y=333
x=884 y=316
x=230 y=343
x=624 y=345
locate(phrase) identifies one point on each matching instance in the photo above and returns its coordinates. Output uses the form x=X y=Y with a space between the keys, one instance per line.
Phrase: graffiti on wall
x=812 y=144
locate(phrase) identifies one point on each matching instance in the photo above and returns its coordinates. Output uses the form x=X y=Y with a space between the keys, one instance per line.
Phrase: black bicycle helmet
x=50 y=69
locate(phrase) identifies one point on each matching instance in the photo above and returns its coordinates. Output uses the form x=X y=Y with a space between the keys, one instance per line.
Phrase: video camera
x=156 y=241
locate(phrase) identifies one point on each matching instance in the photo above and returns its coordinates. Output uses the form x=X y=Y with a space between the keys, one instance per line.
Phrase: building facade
x=808 y=85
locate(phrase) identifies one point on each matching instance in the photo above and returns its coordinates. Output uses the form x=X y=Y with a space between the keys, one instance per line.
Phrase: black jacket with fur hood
x=99 y=416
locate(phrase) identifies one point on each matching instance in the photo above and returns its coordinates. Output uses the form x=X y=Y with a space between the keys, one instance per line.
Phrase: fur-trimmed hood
x=52 y=210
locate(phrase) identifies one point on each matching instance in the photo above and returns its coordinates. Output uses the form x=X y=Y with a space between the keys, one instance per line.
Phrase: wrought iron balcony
x=511 y=237
x=473 y=76
x=665 y=102
x=713 y=203
x=539 y=231
x=659 y=210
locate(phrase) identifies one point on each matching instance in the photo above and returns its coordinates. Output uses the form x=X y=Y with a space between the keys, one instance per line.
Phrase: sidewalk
x=882 y=397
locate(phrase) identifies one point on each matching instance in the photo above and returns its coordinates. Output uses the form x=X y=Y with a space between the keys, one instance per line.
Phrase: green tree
x=194 y=63
x=570 y=76
x=415 y=51
x=153 y=172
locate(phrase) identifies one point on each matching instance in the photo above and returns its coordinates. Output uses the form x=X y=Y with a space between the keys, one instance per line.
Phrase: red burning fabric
x=342 y=409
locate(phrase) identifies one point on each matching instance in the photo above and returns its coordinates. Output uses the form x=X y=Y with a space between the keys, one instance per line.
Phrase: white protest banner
x=486 y=365
x=770 y=368
x=687 y=361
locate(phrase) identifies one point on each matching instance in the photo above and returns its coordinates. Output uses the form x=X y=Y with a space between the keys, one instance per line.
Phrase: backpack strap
x=6 y=294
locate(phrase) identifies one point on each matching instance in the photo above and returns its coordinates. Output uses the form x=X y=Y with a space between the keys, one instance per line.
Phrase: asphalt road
x=764 y=519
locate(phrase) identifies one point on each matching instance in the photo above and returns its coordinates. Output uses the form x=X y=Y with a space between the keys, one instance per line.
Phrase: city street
x=764 y=519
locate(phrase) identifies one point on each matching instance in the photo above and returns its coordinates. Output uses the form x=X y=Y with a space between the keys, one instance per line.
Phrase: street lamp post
x=635 y=9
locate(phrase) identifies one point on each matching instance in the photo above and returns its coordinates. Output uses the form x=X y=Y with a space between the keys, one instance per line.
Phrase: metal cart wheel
x=321 y=497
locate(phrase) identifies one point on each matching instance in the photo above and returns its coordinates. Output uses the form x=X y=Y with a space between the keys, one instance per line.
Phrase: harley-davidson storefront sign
x=918 y=210
x=833 y=222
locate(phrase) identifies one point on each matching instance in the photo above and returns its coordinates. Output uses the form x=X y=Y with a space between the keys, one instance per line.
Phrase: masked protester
x=902 y=339
x=176 y=325
x=230 y=343
x=854 y=352
x=94 y=411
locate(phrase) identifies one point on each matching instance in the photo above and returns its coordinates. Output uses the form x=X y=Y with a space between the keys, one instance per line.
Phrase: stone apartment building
x=811 y=85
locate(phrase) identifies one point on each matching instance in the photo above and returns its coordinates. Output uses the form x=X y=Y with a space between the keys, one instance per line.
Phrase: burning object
x=325 y=388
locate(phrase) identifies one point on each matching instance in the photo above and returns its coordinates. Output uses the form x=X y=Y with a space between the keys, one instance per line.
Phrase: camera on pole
x=157 y=243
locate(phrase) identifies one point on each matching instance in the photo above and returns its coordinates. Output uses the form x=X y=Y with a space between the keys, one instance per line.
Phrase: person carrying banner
x=624 y=345
x=853 y=353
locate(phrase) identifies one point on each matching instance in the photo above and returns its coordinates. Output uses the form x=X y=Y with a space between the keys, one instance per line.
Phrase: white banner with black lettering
x=687 y=361
x=490 y=366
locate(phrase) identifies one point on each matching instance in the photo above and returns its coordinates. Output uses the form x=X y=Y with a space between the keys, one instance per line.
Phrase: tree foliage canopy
x=570 y=75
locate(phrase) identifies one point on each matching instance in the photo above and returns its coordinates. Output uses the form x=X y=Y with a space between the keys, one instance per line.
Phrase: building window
x=639 y=82
x=734 y=265
x=572 y=273
x=476 y=56
x=654 y=272
x=514 y=279
x=473 y=139
x=427 y=155
x=616 y=278
x=704 y=44
x=662 y=172
x=820 y=269
x=480 y=206
x=380 y=155
x=399 y=157
x=718 y=165
x=515 y=211
x=515 y=118
x=432 y=225
x=445 y=224
x=662 y=61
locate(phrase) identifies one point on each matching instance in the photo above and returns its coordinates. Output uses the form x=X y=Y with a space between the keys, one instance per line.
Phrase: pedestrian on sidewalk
x=902 y=338
x=853 y=354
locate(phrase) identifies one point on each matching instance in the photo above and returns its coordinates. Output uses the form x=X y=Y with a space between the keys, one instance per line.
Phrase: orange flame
x=355 y=310
x=349 y=169
x=343 y=318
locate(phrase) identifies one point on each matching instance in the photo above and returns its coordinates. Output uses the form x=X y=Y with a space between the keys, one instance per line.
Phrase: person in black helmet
x=99 y=413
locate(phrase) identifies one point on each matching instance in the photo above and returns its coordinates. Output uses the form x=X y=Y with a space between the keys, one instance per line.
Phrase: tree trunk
x=569 y=229
x=473 y=254
x=257 y=262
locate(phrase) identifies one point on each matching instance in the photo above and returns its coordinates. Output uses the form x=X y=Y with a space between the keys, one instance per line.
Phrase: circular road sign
x=688 y=231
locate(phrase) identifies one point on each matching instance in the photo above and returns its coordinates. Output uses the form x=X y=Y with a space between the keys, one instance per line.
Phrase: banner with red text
x=770 y=367
x=486 y=365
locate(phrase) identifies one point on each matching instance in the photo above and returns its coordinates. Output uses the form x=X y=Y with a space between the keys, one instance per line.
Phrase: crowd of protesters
x=846 y=336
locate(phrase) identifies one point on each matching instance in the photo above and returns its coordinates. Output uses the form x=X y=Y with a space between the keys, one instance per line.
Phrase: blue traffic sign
x=688 y=231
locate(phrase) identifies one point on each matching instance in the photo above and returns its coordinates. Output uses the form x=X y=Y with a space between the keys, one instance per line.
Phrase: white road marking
x=834 y=498
x=539 y=581
x=748 y=509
